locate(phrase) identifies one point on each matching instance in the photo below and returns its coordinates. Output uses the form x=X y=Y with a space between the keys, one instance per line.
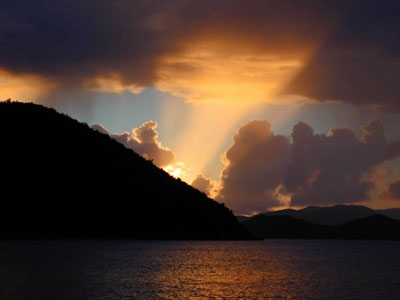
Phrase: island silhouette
x=331 y=222
x=62 y=179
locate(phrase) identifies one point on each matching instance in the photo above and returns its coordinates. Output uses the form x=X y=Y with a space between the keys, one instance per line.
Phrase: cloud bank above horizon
x=264 y=170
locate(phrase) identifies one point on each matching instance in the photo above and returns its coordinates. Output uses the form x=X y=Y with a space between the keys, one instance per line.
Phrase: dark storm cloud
x=351 y=47
x=72 y=40
x=359 y=61
x=263 y=169
x=144 y=141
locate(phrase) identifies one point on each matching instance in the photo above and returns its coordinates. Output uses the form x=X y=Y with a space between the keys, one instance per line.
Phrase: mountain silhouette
x=285 y=227
x=375 y=227
x=61 y=179
x=393 y=213
x=331 y=215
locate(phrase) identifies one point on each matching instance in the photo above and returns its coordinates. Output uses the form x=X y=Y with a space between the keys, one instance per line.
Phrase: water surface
x=272 y=269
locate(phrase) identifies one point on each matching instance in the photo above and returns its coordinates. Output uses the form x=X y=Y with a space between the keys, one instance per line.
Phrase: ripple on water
x=273 y=269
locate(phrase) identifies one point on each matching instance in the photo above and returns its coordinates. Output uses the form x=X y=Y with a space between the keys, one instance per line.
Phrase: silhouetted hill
x=393 y=213
x=285 y=227
x=376 y=227
x=331 y=215
x=60 y=178
x=242 y=219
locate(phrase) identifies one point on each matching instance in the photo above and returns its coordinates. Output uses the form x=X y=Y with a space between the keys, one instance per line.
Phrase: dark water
x=274 y=269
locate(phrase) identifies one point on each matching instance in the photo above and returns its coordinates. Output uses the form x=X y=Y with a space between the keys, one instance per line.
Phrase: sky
x=261 y=105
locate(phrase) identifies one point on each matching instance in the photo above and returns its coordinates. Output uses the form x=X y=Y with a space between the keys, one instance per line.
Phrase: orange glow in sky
x=222 y=85
x=202 y=136
x=25 y=88
x=207 y=74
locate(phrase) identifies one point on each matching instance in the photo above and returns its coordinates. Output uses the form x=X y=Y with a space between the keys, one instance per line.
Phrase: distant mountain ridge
x=61 y=179
x=262 y=227
x=375 y=227
x=331 y=215
x=330 y=222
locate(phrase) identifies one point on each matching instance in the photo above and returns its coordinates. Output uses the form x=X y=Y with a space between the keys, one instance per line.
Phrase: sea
x=270 y=269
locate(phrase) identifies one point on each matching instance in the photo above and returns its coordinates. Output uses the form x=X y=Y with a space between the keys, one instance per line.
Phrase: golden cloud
x=23 y=87
x=214 y=74
x=111 y=83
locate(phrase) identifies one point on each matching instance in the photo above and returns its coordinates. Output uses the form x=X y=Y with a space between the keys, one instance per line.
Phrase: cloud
x=358 y=62
x=144 y=141
x=263 y=170
x=226 y=50
x=255 y=165
x=334 y=168
x=100 y=128
x=393 y=191
x=78 y=40
x=203 y=184
x=26 y=87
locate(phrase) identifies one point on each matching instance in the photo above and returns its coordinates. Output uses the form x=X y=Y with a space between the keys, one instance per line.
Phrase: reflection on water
x=274 y=269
